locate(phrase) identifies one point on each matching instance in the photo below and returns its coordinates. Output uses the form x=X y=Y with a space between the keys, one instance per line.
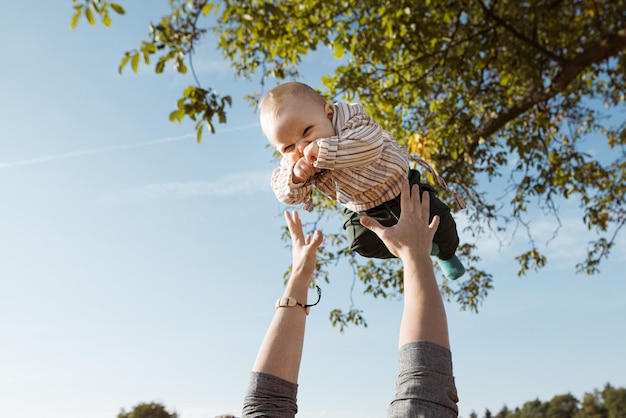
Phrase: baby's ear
x=330 y=110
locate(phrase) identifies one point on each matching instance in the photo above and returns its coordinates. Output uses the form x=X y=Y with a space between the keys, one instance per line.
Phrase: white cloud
x=125 y=147
x=81 y=153
x=234 y=184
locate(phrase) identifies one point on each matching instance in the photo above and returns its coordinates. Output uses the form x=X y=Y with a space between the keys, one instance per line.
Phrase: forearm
x=281 y=350
x=424 y=316
x=359 y=140
x=358 y=149
x=285 y=190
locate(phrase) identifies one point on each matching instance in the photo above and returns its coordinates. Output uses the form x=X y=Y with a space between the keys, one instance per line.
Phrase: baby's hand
x=311 y=152
x=302 y=171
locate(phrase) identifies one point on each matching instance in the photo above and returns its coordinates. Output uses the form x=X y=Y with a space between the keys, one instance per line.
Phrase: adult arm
x=424 y=316
x=425 y=385
x=272 y=390
x=281 y=349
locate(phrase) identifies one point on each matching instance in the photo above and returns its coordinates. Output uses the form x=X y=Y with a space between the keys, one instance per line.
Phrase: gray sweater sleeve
x=425 y=385
x=270 y=396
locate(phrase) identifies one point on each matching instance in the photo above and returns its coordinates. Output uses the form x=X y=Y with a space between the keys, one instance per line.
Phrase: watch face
x=290 y=302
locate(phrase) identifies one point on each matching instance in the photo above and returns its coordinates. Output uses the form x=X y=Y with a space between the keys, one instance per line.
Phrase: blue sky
x=137 y=265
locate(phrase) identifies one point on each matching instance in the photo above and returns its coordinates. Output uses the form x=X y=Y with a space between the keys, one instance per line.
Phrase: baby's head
x=274 y=102
x=293 y=115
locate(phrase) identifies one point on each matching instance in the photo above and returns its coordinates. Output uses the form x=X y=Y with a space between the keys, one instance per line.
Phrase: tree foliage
x=608 y=403
x=147 y=410
x=485 y=90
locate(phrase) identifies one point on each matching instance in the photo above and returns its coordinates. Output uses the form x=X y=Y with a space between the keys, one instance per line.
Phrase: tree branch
x=592 y=55
x=520 y=35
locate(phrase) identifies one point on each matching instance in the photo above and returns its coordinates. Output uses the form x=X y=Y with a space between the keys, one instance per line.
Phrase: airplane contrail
x=80 y=153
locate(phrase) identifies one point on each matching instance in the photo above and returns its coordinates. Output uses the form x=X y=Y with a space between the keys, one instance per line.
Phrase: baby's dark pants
x=367 y=243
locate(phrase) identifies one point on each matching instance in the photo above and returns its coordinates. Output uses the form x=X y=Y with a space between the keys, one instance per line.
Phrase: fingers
x=425 y=206
x=311 y=152
x=297 y=234
x=310 y=156
x=434 y=224
x=303 y=170
x=405 y=197
x=317 y=239
x=372 y=224
x=295 y=225
x=292 y=220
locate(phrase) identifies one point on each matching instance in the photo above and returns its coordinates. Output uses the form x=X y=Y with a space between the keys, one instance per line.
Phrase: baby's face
x=300 y=122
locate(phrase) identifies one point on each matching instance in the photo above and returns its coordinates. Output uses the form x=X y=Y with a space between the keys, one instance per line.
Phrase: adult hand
x=412 y=235
x=304 y=248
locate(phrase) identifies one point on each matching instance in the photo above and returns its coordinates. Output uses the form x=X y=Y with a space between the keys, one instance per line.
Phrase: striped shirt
x=362 y=166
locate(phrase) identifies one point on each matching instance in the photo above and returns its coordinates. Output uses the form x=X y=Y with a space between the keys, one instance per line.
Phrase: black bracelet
x=319 y=297
x=288 y=302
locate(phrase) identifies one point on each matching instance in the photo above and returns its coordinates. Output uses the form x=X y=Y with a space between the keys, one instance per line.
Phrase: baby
x=344 y=153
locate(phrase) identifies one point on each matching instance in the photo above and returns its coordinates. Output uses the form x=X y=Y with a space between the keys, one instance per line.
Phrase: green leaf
x=199 y=129
x=189 y=90
x=177 y=115
x=206 y=9
x=159 y=67
x=118 y=9
x=135 y=63
x=106 y=21
x=124 y=62
x=149 y=47
x=89 y=16
x=221 y=115
x=338 y=50
x=76 y=16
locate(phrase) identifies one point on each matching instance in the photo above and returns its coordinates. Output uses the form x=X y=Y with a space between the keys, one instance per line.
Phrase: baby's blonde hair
x=271 y=104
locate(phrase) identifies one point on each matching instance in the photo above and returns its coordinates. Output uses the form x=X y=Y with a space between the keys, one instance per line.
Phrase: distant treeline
x=607 y=403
